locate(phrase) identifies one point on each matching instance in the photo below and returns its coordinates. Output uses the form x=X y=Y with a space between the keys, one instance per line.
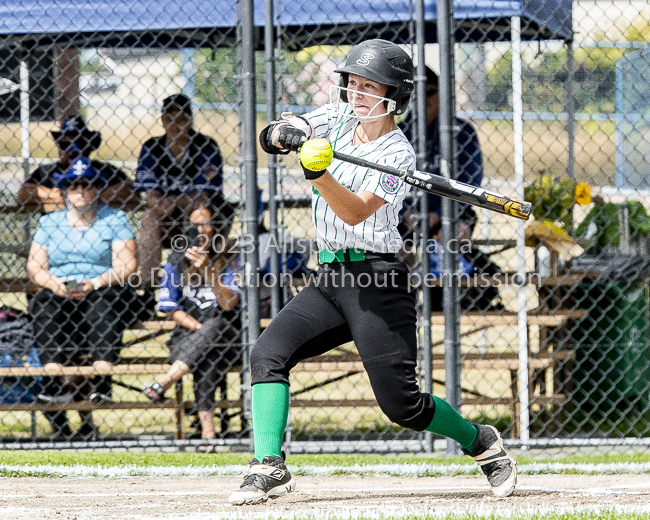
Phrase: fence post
x=449 y=208
x=251 y=268
x=522 y=318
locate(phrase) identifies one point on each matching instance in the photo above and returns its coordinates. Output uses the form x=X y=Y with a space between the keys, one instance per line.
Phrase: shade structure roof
x=304 y=22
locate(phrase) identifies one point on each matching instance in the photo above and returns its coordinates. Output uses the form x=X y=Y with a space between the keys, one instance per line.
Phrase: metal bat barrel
x=449 y=188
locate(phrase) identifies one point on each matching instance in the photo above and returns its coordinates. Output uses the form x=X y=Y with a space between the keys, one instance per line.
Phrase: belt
x=352 y=255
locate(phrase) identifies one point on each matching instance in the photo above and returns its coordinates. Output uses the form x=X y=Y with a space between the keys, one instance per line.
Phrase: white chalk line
x=333 y=509
x=320 y=490
x=396 y=470
x=98 y=495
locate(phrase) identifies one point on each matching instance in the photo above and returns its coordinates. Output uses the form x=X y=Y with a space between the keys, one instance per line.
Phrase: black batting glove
x=291 y=138
x=267 y=145
x=310 y=175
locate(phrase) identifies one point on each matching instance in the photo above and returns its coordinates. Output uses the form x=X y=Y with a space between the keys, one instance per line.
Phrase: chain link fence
x=552 y=323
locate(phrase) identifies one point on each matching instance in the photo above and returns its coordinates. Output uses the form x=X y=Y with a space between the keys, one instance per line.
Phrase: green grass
x=610 y=514
x=73 y=458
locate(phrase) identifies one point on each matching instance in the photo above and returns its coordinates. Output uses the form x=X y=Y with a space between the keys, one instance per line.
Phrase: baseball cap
x=80 y=168
x=178 y=102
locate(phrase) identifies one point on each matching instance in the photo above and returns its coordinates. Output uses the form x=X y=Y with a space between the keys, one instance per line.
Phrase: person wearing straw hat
x=73 y=140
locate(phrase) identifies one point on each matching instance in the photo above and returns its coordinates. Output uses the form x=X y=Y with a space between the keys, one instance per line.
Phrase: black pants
x=366 y=302
x=63 y=328
x=209 y=352
x=66 y=331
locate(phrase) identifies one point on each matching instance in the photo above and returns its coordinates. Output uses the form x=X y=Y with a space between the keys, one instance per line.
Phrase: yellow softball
x=316 y=154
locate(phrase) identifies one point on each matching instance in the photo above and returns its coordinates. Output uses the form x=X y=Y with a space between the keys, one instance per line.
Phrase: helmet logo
x=365 y=59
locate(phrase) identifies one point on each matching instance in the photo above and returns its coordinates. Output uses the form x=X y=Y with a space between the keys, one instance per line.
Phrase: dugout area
x=531 y=367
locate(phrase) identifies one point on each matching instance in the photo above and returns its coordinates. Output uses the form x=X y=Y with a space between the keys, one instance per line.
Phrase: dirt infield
x=329 y=497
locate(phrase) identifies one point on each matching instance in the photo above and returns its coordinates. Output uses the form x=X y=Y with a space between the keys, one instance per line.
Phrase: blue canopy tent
x=117 y=23
x=312 y=23
x=196 y=22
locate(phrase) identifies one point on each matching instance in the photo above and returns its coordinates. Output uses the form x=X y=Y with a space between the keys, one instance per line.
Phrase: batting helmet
x=383 y=62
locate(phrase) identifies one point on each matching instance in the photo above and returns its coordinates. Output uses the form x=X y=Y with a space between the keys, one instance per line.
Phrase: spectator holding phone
x=80 y=259
x=73 y=140
x=200 y=290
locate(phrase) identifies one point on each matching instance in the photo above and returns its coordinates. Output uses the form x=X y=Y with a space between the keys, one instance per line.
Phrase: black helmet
x=383 y=62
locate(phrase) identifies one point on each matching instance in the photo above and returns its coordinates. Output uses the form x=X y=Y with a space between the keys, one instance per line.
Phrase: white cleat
x=267 y=479
x=499 y=468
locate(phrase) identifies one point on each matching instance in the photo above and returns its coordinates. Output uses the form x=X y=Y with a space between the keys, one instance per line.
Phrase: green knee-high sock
x=270 y=412
x=449 y=423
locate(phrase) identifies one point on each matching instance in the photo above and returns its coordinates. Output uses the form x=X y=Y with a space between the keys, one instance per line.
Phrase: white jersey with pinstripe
x=378 y=233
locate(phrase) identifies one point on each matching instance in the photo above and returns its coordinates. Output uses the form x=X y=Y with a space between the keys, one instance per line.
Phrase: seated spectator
x=173 y=171
x=74 y=140
x=470 y=163
x=80 y=258
x=470 y=171
x=200 y=290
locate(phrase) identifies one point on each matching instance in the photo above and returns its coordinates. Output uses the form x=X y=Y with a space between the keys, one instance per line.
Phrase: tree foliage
x=216 y=78
x=303 y=76
x=544 y=79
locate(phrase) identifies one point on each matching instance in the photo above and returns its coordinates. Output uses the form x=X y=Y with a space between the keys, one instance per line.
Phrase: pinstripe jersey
x=378 y=233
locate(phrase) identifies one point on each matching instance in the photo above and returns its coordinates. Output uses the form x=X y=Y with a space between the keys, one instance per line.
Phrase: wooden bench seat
x=128 y=367
x=87 y=371
x=494 y=319
x=491 y=361
x=336 y=361
x=88 y=406
x=154 y=325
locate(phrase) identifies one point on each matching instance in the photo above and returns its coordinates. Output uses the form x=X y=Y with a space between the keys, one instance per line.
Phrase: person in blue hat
x=80 y=259
x=73 y=140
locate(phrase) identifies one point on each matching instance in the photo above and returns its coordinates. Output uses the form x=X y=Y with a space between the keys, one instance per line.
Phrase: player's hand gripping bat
x=317 y=154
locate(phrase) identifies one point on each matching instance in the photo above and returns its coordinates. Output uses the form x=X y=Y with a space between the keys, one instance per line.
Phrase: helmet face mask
x=347 y=95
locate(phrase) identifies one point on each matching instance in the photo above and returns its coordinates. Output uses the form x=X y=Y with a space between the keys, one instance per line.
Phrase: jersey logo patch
x=365 y=59
x=389 y=183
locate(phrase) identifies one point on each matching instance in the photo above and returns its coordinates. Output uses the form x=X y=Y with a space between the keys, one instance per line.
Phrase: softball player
x=361 y=292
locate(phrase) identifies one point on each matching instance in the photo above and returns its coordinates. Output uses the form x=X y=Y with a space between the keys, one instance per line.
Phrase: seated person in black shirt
x=470 y=171
x=200 y=290
x=74 y=140
x=470 y=162
x=174 y=171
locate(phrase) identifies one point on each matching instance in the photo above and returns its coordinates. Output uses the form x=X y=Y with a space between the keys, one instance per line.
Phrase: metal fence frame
x=413 y=33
